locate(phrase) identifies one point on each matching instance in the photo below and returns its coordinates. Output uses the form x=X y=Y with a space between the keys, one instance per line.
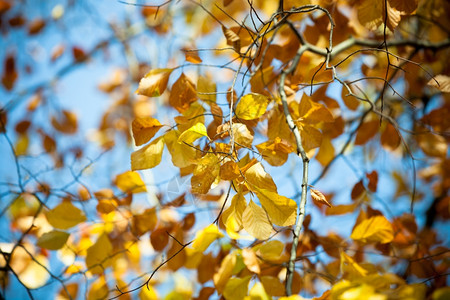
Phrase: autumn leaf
x=257 y=176
x=373 y=230
x=282 y=211
x=205 y=237
x=251 y=260
x=183 y=93
x=236 y=288
x=319 y=197
x=206 y=89
x=154 y=83
x=149 y=156
x=441 y=82
x=98 y=256
x=144 y=129
x=225 y=271
x=53 y=240
x=251 y=106
x=255 y=221
x=312 y=112
x=130 y=182
x=65 y=215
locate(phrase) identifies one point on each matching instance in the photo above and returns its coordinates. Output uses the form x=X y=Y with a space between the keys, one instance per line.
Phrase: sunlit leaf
x=144 y=129
x=183 y=93
x=65 y=215
x=206 y=89
x=195 y=132
x=130 y=182
x=182 y=154
x=373 y=230
x=273 y=286
x=251 y=106
x=53 y=240
x=154 y=83
x=367 y=131
x=282 y=211
x=251 y=260
x=225 y=271
x=317 y=196
x=257 y=176
x=313 y=112
x=255 y=221
x=441 y=82
x=242 y=136
x=149 y=156
x=205 y=237
x=205 y=173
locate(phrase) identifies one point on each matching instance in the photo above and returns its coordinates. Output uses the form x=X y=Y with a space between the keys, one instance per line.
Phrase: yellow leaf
x=229 y=171
x=53 y=240
x=130 y=182
x=373 y=230
x=144 y=129
x=442 y=84
x=251 y=260
x=257 y=176
x=273 y=286
x=98 y=255
x=326 y=152
x=282 y=211
x=319 y=197
x=270 y=251
x=206 y=89
x=441 y=293
x=255 y=222
x=225 y=271
x=232 y=216
x=205 y=173
x=313 y=112
x=251 y=106
x=148 y=156
x=205 y=237
x=236 y=288
x=65 y=216
x=148 y=293
x=195 y=132
x=258 y=292
x=242 y=136
x=154 y=83
x=371 y=13
x=350 y=267
x=182 y=154
x=22 y=143
x=98 y=289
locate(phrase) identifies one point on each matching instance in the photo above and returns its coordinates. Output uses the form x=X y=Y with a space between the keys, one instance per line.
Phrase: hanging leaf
x=144 y=129
x=255 y=221
x=205 y=237
x=65 y=215
x=251 y=106
x=130 y=182
x=149 y=156
x=183 y=93
x=282 y=211
x=98 y=256
x=192 y=134
x=53 y=240
x=154 y=83
x=373 y=230
x=319 y=197
x=441 y=82
x=236 y=288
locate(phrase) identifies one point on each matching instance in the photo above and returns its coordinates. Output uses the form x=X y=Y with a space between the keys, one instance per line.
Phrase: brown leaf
x=183 y=93
x=441 y=82
x=144 y=129
x=319 y=197
x=366 y=132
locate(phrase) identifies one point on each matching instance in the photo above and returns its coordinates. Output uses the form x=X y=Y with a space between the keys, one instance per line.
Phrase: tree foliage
x=244 y=149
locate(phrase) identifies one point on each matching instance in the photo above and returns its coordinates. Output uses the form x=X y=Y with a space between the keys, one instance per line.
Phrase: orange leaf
x=366 y=132
x=319 y=197
x=192 y=56
x=183 y=93
x=154 y=83
x=144 y=129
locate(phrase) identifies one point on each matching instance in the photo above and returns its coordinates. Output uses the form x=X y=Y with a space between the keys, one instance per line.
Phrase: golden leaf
x=195 y=132
x=206 y=89
x=65 y=215
x=367 y=131
x=144 y=129
x=205 y=173
x=98 y=255
x=182 y=154
x=130 y=182
x=205 y=237
x=432 y=144
x=236 y=288
x=373 y=230
x=273 y=286
x=319 y=197
x=257 y=176
x=225 y=271
x=312 y=112
x=183 y=93
x=154 y=83
x=232 y=39
x=149 y=156
x=255 y=221
x=282 y=211
x=251 y=106
x=53 y=240
x=242 y=136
